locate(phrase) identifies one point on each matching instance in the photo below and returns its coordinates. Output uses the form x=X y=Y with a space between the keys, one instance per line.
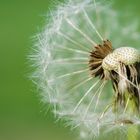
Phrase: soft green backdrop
x=22 y=115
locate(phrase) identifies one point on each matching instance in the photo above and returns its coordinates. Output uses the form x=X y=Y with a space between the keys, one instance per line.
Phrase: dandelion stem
x=95 y=7
x=72 y=40
x=80 y=60
x=99 y=91
x=81 y=83
x=70 y=60
x=74 y=50
x=68 y=74
x=92 y=25
x=126 y=104
x=89 y=90
x=133 y=133
x=127 y=80
x=105 y=110
x=82 y=33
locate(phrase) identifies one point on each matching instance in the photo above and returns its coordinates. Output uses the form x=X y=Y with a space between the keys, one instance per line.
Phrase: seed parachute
x=88 y=67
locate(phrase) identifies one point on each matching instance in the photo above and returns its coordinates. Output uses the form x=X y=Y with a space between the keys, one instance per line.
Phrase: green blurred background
x=22 y=115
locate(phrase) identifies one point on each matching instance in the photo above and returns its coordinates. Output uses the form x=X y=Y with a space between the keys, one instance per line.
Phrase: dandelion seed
x=76 y=62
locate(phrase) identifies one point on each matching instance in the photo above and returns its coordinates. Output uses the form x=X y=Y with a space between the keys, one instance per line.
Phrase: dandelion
x=87 y=70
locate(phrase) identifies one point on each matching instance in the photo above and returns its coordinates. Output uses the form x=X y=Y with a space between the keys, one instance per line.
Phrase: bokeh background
x=22 y=115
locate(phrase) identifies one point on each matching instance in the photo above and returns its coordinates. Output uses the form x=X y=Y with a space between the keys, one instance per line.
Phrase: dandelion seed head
x=78 y=69
x=126 y=55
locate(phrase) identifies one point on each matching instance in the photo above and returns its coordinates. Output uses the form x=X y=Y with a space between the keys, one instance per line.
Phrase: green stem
x=132 y=133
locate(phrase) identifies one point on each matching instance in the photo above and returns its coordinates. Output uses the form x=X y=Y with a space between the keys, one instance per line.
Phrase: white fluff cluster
x=61 y=59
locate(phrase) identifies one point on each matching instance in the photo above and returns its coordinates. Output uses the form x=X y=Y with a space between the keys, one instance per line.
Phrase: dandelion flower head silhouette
x=88 y=68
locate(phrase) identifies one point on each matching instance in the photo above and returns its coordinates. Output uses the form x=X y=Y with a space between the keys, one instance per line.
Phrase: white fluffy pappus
x=62 y=71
